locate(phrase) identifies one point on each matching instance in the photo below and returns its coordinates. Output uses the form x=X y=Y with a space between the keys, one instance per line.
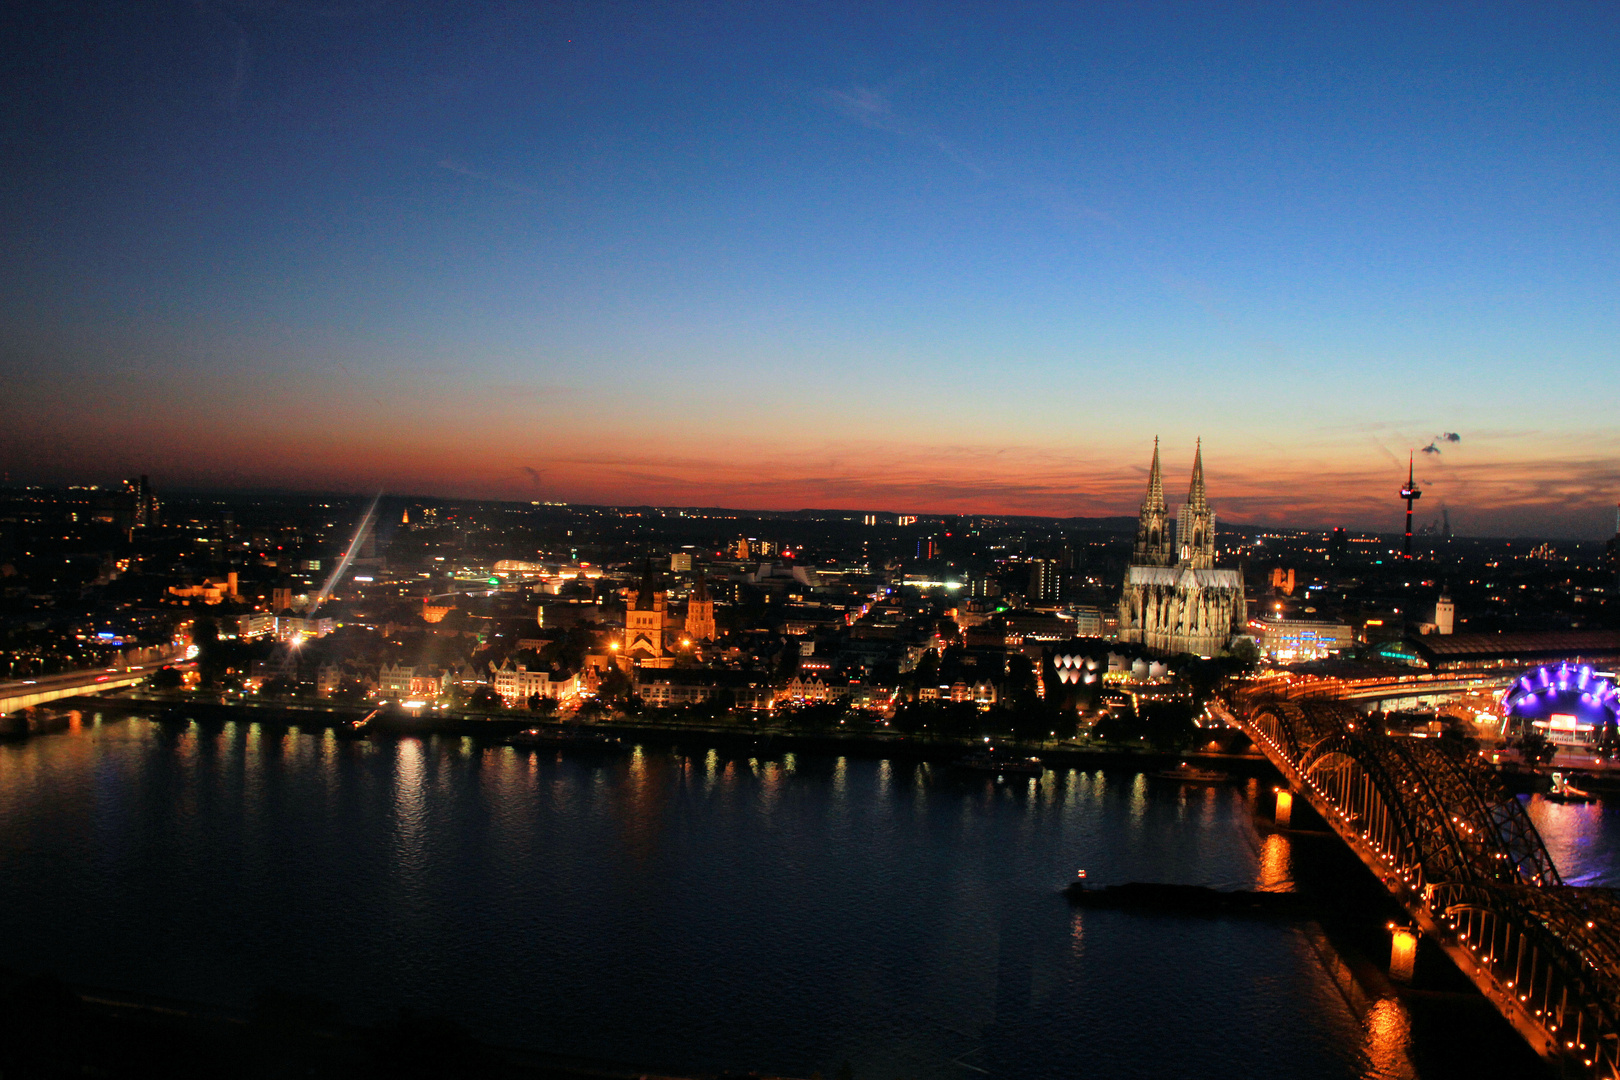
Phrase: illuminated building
x=209 y=591
x=1088 y=622
x=646 y=624
x=1179 y=602
x=1289 y=641
x=257 y=625
x=295 y=628
x=516 y=683
x=395 y=679
x=1445 y=615
x=1572 y=705
x=142 y=504
x=700 y=613
x=1043 y=581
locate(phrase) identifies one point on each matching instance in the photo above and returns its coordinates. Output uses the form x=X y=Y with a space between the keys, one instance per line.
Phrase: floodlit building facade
x=1176 y=600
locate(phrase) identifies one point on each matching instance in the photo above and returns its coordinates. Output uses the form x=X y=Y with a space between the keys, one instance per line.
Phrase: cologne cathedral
x=1176 y=600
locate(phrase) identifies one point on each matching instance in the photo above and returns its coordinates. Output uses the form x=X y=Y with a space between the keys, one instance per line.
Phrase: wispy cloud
x=461 y=169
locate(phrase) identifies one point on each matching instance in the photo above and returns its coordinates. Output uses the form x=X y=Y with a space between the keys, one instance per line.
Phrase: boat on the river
x=990 y=760
x=355 y=729
x=1152 y=896
x=573 y=738
x=1565 y=792
x=1191 y=774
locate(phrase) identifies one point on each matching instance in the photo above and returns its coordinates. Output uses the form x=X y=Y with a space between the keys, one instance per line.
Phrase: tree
x=1536 y=748
x=350 y=690
x=278 y=687
x=485 y=697
x=165 y=679
x=614 y=685
x=210 y=658
x=1247 y=654
x=926 y=673
x=1162 y=725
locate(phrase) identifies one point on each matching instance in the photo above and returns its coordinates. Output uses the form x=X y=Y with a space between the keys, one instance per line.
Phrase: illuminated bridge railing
x=1330 y=688
x=1461 y=855
x=1553 y=951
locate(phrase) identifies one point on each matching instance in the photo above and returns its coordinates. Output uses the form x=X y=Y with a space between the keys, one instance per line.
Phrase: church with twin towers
x=1176 y=600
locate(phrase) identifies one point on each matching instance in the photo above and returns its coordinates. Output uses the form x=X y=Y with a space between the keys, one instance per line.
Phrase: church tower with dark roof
x=700 y=612
x=644 y=622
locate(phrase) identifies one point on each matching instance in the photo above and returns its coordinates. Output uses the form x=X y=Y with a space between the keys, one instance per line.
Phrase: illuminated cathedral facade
x=1176 y=600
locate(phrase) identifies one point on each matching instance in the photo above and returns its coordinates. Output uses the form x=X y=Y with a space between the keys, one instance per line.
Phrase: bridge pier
x=1460 y=855
x=1283 y=815
x=1403 y=947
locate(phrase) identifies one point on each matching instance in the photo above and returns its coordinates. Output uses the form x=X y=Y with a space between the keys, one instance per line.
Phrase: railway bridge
x=1459 y=853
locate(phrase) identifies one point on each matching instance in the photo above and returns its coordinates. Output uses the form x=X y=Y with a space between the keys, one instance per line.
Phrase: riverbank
x=736 y=739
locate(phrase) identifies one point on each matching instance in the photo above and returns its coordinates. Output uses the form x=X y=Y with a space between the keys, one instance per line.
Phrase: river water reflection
x=678 y=911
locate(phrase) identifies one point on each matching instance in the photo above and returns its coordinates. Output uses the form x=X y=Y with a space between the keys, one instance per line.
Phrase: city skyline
x=953 y=261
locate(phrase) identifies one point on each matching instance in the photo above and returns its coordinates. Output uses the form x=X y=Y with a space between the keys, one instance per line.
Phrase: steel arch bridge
x=1460 y=854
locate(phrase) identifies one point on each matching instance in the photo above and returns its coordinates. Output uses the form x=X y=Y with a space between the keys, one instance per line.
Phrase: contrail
x=348 y=557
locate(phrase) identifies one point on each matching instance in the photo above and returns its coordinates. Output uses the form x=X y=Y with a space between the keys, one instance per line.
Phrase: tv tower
x=1411 y=494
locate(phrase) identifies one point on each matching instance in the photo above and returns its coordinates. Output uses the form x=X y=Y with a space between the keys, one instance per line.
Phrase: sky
x=925 y=258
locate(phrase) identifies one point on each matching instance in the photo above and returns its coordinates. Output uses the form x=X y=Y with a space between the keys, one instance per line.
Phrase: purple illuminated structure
x=1569 y=704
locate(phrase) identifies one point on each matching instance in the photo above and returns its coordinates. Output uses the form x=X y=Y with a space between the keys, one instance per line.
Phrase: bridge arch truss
x=1462 y=856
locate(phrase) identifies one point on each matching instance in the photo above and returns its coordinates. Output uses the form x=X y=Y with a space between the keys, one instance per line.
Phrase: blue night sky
x=924 y=258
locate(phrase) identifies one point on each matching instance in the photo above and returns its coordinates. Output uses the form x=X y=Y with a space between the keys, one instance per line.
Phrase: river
x=682 y=911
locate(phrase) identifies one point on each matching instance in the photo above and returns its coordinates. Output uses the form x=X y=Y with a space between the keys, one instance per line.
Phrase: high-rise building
x=1043 y=581
x=1336 y=543
x=142 y=504
x=1182 y=604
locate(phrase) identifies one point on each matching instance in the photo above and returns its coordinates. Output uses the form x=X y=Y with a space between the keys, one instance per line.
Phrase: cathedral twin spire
x=1195 y=523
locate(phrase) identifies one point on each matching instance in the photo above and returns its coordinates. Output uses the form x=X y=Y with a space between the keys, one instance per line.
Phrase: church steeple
x=648 y=592
x=1195 y=524
x=1197 y=499
x=1153 y=528
x=1155 y=491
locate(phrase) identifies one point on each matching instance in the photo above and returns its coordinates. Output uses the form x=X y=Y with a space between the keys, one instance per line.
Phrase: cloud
x=460 y=169
x=1446 y=437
